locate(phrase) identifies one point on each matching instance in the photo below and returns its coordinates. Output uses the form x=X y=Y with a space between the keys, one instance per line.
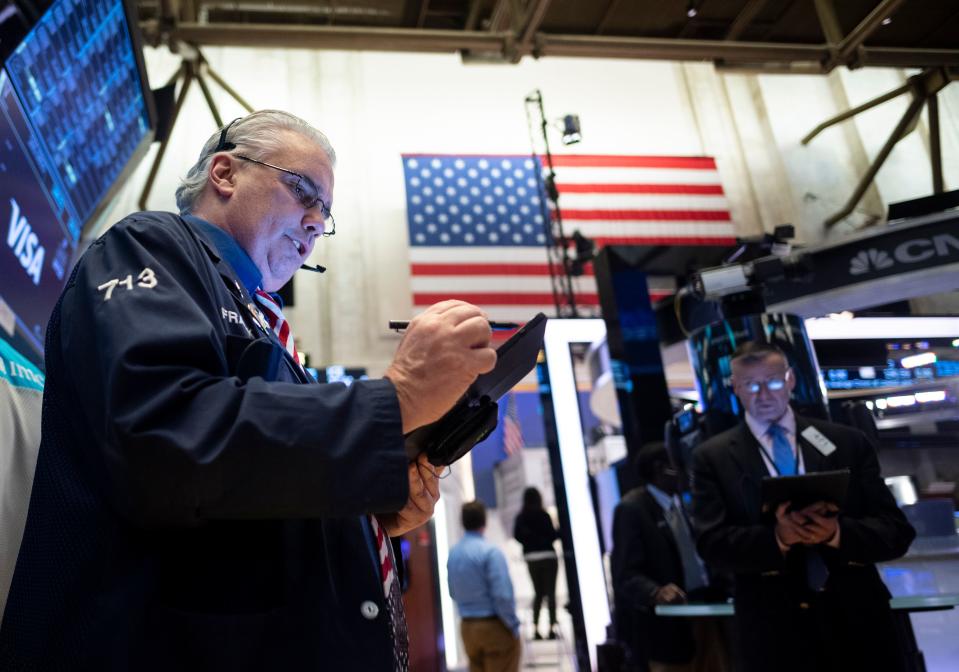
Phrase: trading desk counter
x=908 y=603
x=902 y=607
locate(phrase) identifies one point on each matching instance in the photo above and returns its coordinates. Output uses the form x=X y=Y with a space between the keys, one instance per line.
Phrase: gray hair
x=258 y=135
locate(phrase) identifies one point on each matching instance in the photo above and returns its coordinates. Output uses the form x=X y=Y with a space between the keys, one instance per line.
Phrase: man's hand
x=445 y=348
x=669 y=594
x=821 y=522
x=424 y=493
x=790 y=527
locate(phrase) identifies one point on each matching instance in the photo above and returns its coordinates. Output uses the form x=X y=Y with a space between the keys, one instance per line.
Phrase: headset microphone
x=315 y=269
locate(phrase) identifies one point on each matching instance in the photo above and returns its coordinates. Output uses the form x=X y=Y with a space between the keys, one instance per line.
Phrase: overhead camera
x=766 y=257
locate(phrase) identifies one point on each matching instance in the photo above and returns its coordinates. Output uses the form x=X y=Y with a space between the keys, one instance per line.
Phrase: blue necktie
x=783 y=456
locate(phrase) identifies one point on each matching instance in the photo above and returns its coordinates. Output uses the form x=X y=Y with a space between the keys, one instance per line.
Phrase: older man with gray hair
x=198 y=503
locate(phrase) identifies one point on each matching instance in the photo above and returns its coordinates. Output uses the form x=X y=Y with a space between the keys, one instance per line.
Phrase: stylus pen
x=399 y=325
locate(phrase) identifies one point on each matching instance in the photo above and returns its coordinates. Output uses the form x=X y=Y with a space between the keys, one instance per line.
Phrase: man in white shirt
x=808 y=596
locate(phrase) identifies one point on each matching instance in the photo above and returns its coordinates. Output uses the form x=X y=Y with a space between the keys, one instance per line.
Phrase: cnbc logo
x=913 y=251
x=871 y=259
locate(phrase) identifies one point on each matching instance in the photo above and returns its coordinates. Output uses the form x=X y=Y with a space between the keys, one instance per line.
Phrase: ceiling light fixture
x=691 y=10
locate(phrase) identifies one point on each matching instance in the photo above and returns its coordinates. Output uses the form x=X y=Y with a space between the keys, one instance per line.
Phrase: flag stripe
x=611 y=161
x=649 y=202
x=514 y=283
x=583 y=188
x=503 y=299
x=641 y=232
x=636 y=176
x=665 y=240
x=483 y=269
x=645 y=215
x=478 y=254
x=517 y=284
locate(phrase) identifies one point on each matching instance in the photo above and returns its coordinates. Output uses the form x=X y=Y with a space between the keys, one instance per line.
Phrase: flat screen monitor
x=38 y=242
x=77 y=115
x=871 y=354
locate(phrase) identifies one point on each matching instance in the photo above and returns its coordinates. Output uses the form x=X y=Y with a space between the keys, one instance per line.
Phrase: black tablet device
x=514 y=359
x=801 y=491
x=475 y=415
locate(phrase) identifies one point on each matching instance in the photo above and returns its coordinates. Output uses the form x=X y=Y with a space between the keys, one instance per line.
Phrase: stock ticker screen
x=76 y=74
x=72 y=115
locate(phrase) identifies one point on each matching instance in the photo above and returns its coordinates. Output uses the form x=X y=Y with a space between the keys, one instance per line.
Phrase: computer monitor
x=870 y=355
x=80 y=78
x=39 y=245
x=76 y=115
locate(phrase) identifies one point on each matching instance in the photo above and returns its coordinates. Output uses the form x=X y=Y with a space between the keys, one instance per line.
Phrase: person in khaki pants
x=480 y=585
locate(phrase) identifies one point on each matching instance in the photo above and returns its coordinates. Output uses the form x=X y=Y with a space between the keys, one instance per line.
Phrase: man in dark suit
x=808 y=596
x=200 y=503
x=654 y=561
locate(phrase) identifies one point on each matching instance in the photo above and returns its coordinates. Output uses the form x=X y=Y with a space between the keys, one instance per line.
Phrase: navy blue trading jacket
x=195 y=504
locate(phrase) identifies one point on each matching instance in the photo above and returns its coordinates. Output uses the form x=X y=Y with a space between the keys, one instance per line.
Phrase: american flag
x=477 y=226
x=512 y=433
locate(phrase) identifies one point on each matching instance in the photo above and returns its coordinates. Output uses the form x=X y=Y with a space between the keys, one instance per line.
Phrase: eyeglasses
x=773 y=384
x=305 y=191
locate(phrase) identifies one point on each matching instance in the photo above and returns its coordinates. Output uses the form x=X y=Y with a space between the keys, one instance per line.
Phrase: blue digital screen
x=77 y=77
x=74 y=112
x=840 y=378
x=39 y=244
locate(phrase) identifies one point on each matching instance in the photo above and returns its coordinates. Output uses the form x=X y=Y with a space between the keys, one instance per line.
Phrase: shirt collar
x=665 y=501
x=231 y=252
x=759 y=428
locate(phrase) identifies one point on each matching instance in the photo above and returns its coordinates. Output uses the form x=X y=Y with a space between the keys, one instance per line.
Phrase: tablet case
x=801 y=491
x=475 y=415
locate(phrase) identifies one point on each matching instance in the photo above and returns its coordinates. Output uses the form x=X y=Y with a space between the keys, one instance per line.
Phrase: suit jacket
x=196 y=504
x=645 y=557
x=850 y=622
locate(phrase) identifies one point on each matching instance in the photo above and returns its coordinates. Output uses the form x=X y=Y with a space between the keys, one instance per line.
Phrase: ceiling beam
x=858 y=35
x=895 y=57
x=429 y=40
x=826 y=11
x=610 y=9
x=500 y=17
x=337 y=37
x=758 y=55
x=473 y=17
x=674 y=50
x=535 y=20
x=744 y=18
x=424 y=10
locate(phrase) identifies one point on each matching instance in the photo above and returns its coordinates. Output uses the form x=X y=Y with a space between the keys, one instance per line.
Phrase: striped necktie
x=274 y=315
x=394 y=601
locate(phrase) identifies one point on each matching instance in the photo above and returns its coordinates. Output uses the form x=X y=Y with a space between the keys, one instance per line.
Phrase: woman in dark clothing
x=534 y=530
